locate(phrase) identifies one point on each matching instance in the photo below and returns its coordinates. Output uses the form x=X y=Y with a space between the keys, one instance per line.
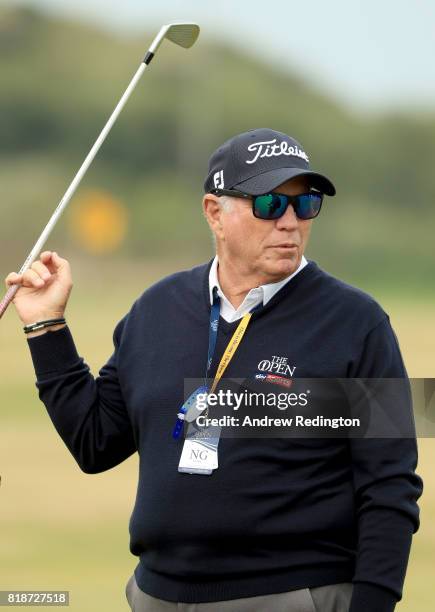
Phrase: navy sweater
x=278 y=514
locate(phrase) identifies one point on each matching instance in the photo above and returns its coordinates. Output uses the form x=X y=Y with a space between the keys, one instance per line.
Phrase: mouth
x=284 y=246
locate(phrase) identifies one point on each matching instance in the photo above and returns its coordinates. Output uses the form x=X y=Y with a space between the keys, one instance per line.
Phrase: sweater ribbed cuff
x=53 y=351
x=368 y=596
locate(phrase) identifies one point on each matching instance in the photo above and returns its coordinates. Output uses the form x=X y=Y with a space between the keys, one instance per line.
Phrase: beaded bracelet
x=42 y=324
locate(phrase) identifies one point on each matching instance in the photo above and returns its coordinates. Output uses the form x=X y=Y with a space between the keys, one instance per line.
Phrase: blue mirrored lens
x=270 y=206
x=308 y=205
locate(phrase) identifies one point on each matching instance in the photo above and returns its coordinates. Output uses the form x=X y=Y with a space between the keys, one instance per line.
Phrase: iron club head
x=180 y=33
x=183 y=34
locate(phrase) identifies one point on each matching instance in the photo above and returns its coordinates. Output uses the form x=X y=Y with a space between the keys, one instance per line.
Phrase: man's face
x=271 y=249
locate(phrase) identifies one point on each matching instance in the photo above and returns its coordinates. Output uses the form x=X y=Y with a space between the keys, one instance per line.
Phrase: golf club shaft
x=71 y=189
x=182 y=34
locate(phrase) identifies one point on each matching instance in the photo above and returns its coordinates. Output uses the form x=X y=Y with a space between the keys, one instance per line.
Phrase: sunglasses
x=273 y=205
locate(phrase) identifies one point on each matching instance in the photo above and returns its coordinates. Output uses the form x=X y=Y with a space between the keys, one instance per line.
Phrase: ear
x=213 y=213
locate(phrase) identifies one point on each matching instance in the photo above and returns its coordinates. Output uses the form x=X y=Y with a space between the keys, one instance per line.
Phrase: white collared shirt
x=256 y=296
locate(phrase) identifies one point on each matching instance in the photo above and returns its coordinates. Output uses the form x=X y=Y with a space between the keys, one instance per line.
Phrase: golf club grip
x=9 y=296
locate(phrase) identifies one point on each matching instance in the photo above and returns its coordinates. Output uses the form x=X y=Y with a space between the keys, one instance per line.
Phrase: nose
x=289 y=219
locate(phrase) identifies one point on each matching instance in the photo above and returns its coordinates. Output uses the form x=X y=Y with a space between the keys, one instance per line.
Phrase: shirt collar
x=267 y=291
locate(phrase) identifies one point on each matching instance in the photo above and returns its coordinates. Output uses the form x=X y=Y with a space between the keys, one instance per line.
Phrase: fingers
x=12 y=279
x=29 y=278
x=40 y=272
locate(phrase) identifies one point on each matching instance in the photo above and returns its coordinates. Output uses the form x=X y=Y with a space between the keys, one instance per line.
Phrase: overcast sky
x=370 y=54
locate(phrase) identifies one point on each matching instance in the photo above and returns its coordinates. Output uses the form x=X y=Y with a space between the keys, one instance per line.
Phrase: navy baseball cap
x=257 y=161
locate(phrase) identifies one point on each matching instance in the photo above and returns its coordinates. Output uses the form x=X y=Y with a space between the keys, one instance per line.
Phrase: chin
x=283 y=267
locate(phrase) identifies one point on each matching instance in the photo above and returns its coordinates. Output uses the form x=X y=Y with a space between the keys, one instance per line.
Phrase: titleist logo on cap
x=257 y=161
x=269 y=148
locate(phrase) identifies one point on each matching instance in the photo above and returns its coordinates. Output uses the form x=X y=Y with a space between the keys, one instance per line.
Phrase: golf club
x=182 y=34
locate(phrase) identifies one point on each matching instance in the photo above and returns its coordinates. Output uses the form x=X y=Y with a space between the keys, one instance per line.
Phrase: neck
x=236 y=282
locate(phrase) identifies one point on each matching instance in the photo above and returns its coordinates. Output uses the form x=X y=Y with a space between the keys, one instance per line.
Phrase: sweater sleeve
x=89 y=414
x=386 y=489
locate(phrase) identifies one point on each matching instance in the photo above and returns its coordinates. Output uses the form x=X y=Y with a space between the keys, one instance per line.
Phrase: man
x=274 y=524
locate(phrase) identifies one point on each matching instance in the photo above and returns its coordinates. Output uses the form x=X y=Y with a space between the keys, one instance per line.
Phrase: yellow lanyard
x=231 y=349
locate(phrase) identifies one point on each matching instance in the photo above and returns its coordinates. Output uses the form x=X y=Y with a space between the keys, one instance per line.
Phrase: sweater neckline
x=227 y=327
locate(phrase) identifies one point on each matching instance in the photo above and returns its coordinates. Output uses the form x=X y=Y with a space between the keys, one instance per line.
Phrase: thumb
x=62 y=266
x=58 y=262
x=53 y=261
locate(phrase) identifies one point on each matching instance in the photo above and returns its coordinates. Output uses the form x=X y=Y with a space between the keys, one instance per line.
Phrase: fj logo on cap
x=269 y=148
x=218 y=179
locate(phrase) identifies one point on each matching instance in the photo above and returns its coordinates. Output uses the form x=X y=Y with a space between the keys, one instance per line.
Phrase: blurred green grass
x=62 y=529
x=53 y=104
